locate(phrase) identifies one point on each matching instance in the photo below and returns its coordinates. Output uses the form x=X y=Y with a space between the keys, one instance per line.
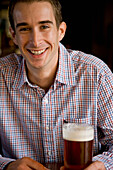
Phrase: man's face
x=36 y=34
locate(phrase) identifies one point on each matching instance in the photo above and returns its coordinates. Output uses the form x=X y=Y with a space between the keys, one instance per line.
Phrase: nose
x=36 y=37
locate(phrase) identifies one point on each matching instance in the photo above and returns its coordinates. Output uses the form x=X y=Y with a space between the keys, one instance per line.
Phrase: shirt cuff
x=106 y=158
x=4 y=162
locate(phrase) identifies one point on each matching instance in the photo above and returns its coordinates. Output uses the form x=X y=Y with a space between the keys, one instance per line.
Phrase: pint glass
x=78 y=143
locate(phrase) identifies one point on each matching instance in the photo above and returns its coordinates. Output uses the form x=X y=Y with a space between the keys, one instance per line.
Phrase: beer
x=78 y=143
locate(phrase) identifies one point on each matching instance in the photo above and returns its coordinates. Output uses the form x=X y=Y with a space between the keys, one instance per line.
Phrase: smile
x=37 y=52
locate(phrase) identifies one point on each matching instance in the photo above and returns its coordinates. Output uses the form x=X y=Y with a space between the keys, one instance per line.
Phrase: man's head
x=55 y=5
x=37 y=33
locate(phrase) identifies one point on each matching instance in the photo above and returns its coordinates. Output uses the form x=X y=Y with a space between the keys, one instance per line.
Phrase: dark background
x=89 y=28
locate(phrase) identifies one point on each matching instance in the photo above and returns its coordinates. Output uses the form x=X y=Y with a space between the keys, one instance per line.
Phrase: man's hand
x=25 y=164
x=97 y=165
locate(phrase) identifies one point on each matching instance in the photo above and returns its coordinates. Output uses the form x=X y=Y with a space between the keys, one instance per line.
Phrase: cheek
x=21 y=41
x=52 y=36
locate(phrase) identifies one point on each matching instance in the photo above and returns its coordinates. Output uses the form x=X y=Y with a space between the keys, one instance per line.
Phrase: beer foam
x=78 y=132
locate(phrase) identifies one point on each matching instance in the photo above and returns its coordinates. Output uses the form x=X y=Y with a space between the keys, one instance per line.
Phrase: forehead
x=33 y=12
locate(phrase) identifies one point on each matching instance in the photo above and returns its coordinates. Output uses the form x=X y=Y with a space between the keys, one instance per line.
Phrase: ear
x=13 y=34
x=62 y=30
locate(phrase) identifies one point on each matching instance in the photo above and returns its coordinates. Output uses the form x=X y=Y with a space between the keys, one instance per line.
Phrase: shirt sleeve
x=105 y=117
x=106 y=158
x=5 y=161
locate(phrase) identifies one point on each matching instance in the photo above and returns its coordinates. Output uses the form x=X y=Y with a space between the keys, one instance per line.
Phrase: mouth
x=37 y=52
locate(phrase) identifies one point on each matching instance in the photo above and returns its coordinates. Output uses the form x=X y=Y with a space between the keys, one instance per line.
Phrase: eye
x=24 y=29
x=43 y=27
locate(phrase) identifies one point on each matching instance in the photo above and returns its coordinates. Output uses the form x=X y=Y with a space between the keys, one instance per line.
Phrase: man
x=46 y=85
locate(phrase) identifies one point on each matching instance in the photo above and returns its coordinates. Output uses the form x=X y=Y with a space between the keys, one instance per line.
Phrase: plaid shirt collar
x=20 y=75
x=65 y=74
x=66 y=70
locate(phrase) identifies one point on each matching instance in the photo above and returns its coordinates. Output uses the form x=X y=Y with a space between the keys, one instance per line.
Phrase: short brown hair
x=55 y=4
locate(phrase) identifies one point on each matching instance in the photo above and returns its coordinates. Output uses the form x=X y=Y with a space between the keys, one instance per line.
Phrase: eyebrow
x=40 y=22
x=21 y=24
x=46 y=21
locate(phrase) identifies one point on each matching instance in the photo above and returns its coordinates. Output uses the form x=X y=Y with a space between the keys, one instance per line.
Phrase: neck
x=42 y=77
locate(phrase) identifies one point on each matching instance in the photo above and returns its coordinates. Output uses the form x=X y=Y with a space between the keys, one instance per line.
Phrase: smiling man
x=46 y=85
x=34 y=30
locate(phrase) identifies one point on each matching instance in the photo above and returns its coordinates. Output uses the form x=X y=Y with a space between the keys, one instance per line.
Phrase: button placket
x=46 y=100
x=48 y=144
x=47 y=128
x=49 y=153
x=47 y=131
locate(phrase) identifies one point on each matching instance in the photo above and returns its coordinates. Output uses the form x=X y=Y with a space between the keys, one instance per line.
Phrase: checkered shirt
x=31 y=120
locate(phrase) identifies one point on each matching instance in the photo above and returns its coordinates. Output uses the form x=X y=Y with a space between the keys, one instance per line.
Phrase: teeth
x=37 y=52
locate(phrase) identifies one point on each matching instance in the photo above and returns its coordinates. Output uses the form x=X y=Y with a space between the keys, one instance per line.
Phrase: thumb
x=62 y=168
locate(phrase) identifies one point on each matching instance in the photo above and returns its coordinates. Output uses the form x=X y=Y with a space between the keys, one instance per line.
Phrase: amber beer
x=78 y=143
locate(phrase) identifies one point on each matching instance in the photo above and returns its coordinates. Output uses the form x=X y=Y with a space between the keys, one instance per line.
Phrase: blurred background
x=89 y=28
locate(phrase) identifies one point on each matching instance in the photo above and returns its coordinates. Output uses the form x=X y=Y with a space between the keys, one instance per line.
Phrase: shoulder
x=86 y=66
x=79 y=57
x=9 y=65
x=11 y=60
x=89 y=61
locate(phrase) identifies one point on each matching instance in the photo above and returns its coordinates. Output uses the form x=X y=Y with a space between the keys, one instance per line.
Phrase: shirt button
x=35 y=89
x=46 y=101
x=47 y=128
x=49 y=153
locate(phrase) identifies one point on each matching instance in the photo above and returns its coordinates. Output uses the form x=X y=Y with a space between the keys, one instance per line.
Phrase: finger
x=34 y=164
x=17 y=165
x=62 y=168
x=90 y=167
x=97 y=165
